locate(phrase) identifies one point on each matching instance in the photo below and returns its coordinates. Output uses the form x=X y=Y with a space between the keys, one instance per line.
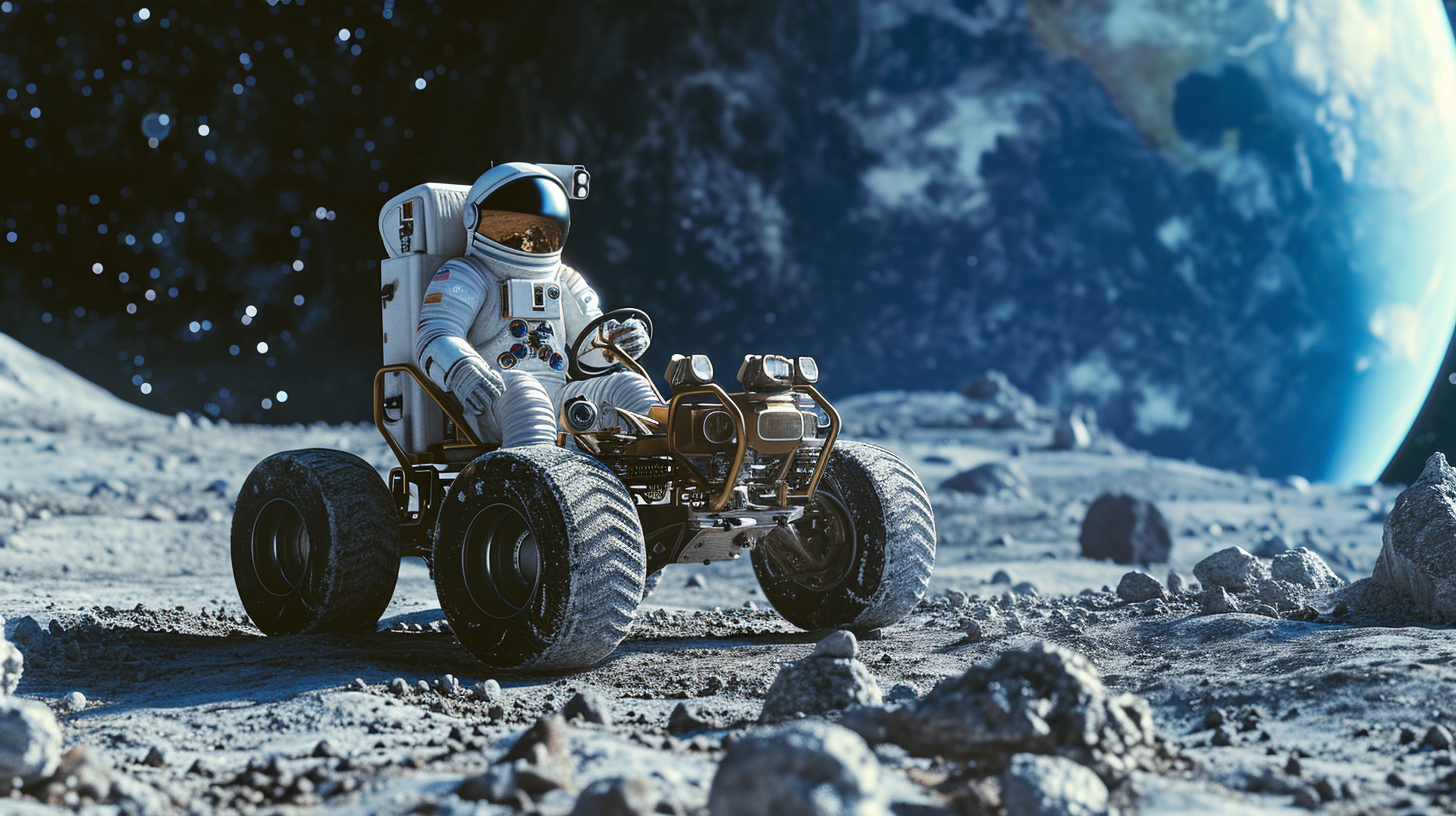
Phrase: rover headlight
x=696 y=369
x=718 y=428
x=807 y=371
x=768 y=372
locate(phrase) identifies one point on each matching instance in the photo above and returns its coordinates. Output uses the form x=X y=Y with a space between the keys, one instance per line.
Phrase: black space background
x=316 y=130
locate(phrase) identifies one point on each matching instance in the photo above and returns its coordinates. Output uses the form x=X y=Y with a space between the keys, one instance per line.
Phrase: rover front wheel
x=315 y=543
x=864 y=549
x=539 y=559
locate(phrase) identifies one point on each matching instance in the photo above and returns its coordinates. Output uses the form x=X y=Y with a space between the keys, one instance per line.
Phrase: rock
x=989 y=479
x=829 y=679
x=1217 y=601
x=1222 y=738
x=1439 y=738
x=87 y=771
x=1001 y=541
x=1026 y=588
x=1037 y=785
x=1041 y=699
x=1299 y=483
x=589 y=706
x=683 y=721
x=12 y=665
x=809 y=767
x=839 y=644
x=972 y=630
x=30 y=740
x=1000 y=576
x=74 y=703
x=398 y=687
x=1305 y=568
x=1175 y=583
x=497 y=786
x=1071 y=432
x=325 y=749
x=155 y=758
x=1125 y=530
x=489 y=692
x=1418 y=554
x=1136 y=587
x=696 y=581
x=621 y=796
x=27 y=632
x=1281 y=595
x=1233 y=569
x=549 y=732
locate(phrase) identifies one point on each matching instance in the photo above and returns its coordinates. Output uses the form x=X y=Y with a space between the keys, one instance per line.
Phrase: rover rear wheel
x=539 y=559
x=315 y=543
x=865 y=548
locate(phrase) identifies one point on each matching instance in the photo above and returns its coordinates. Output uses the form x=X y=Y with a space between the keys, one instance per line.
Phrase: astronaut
x=497 y=323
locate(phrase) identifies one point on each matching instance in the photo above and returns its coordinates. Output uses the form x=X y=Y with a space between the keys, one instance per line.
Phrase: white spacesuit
x=497 y=323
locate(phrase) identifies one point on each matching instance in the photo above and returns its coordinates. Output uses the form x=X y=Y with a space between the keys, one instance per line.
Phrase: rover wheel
x=539 y=559
x=315 y=543
x=866 y=546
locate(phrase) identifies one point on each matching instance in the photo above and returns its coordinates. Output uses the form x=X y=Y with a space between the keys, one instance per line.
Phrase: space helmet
x=517 y=211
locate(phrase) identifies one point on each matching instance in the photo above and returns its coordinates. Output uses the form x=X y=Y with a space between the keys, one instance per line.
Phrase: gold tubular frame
x=828 y=448
x=442 y=399
x=739 y=452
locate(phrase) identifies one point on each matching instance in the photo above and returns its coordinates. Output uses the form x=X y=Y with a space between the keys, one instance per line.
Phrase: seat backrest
x=425 y=219
x=422 y=229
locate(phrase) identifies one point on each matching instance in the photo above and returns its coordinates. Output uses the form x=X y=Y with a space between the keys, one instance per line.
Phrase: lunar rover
x=541 y=554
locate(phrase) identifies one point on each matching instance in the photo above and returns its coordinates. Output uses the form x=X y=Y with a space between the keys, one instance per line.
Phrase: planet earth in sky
x=1330 y=126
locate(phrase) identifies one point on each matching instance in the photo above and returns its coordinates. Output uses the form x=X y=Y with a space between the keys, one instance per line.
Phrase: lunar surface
x=116 y=587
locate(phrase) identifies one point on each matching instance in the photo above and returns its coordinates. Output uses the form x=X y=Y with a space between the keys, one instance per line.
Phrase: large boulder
x=30 y=740
x=1303 y=567
x=989 y=479
x=1040 y=700
x=808 y=767
x=1233 y=568
x=829 y=679
x=1418 y=553
x=1037 y=785
x=1126 y=530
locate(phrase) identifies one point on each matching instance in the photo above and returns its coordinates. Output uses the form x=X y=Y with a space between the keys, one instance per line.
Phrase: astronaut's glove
x=474 y=383
x=630 y=336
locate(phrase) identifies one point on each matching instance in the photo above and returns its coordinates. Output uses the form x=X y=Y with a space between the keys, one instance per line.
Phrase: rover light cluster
x=773 y=372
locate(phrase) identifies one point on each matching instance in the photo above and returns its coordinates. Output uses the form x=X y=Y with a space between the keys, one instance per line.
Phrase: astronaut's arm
x=580 y=306
x=452 y=301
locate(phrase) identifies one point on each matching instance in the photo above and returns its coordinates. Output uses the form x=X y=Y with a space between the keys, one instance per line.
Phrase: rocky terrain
x=1253 y=667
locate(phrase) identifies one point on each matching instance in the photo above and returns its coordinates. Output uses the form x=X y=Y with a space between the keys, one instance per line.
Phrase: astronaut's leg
x=523 y=415
x=624 y=389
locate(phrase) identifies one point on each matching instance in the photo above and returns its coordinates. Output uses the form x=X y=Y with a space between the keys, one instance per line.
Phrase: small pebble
x=75 y=703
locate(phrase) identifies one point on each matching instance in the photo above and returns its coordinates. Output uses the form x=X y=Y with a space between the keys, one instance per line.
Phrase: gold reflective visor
x=527 y=233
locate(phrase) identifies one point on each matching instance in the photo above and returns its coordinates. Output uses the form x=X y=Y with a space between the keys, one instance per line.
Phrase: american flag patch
x=434 y=297
x=443 y=274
